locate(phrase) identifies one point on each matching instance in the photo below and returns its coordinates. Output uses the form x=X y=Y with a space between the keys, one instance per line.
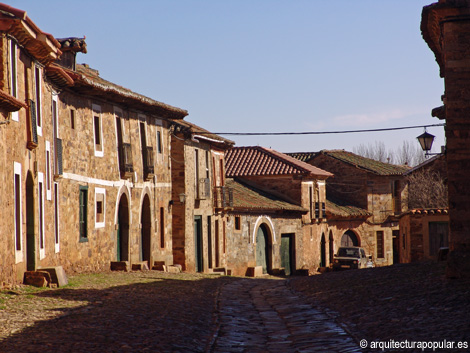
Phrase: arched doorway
x=349 y=238
x=30 y=238
x=331 y=247
x=123 y=229
x=323 y=251
x=145 y=241
x=262 y=248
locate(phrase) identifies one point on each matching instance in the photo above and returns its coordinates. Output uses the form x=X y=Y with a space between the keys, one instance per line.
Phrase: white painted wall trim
x=258 y=222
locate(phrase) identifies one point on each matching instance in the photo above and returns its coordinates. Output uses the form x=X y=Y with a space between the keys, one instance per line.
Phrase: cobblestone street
x=161 y=312
x=266 y=316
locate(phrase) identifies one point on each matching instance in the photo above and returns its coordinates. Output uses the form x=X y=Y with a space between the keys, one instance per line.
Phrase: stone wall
x=212 y=247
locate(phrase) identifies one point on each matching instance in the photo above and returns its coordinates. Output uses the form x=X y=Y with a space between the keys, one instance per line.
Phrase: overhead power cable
x=319 y=132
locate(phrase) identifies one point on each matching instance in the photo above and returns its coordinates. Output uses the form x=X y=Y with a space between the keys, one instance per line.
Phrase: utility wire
x=318 y=132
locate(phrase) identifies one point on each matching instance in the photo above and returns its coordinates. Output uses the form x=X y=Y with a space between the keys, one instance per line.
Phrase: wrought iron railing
x=149 y=169
x=223 y=197
x=126 y=166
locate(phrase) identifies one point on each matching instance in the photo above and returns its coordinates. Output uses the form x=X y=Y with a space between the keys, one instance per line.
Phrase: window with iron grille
x=380 y=244
x=83 y=211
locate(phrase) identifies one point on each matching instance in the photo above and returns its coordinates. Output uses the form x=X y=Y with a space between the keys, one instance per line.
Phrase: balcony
x=223 y=197
x=125 y=160
x=33 y=126
x=149 y=170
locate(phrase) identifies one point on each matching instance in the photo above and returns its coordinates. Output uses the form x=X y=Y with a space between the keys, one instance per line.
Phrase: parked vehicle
x=350 y=257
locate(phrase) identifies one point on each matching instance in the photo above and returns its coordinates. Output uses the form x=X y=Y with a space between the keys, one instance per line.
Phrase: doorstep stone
x=140 y=266
x=37 y=278
x=159 y=265
x=256 y=271
x=58 y=275
x=120 y=266
x=174 y=268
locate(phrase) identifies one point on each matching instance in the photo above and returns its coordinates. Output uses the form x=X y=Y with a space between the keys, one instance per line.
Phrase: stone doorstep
x=221 y=271
x=278 y=271
x=37 y=278
x=57 y=274
x=256 y=271
x=174 y=268
x=140 y=266
x=159 y=266
x=120 y=266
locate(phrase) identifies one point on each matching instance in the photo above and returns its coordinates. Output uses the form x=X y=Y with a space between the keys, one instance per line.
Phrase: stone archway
x=122 y=241
x=350 y=238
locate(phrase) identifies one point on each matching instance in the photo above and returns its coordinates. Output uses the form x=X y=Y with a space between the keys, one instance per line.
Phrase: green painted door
x=261 y=249
x=198 y=243
x=287 y=253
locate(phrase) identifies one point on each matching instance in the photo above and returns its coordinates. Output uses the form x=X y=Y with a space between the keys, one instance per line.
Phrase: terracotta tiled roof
x=367 y=164
x=43 y=46
x=303 y=156
x=429 y=211
x=199 y=133
x=344 y=210
x=88 y=81
x=256 y=161
x=425 y=163
x=249 y=198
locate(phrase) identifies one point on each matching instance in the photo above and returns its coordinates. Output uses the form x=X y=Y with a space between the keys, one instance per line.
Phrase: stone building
x=295 y=226
x=376 y=190
x=424 y=228
x=422 y=233
x=200 y=198
x=87 y=167
x=445 y=27
x=28 y=229
x=264 y=232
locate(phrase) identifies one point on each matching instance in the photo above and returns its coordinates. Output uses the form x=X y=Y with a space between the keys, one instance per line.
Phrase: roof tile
x=257 y=161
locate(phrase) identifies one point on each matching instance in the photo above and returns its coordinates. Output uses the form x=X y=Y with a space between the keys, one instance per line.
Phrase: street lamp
x=182 y=197
x=426 y=140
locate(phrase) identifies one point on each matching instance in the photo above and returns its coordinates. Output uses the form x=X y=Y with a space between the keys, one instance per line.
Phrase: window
x=162 y=228
x=207 y=164
x=323 y=210
x=238 y=223
x=380 y=244
x=13 y=74
x=56 y=217
x=159 y=142
x=72 y=118
x=18 y=215
x=48 y=171
x=97 y=131
x=196 y=172
x=42 y=247
x=83 y=210
x=310 y=200
x=38 y=90
x=317 y=210
x=100 y=195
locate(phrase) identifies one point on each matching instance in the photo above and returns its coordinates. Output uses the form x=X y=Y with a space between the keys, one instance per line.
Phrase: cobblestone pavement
x=161 y=312
x=266 y=316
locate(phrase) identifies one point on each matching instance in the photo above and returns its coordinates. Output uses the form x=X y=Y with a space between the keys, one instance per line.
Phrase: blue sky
x=265 y=65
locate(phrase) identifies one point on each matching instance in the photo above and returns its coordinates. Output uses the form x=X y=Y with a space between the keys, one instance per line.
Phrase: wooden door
x=262 y=249
x=198 y=243
x=287 y=253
